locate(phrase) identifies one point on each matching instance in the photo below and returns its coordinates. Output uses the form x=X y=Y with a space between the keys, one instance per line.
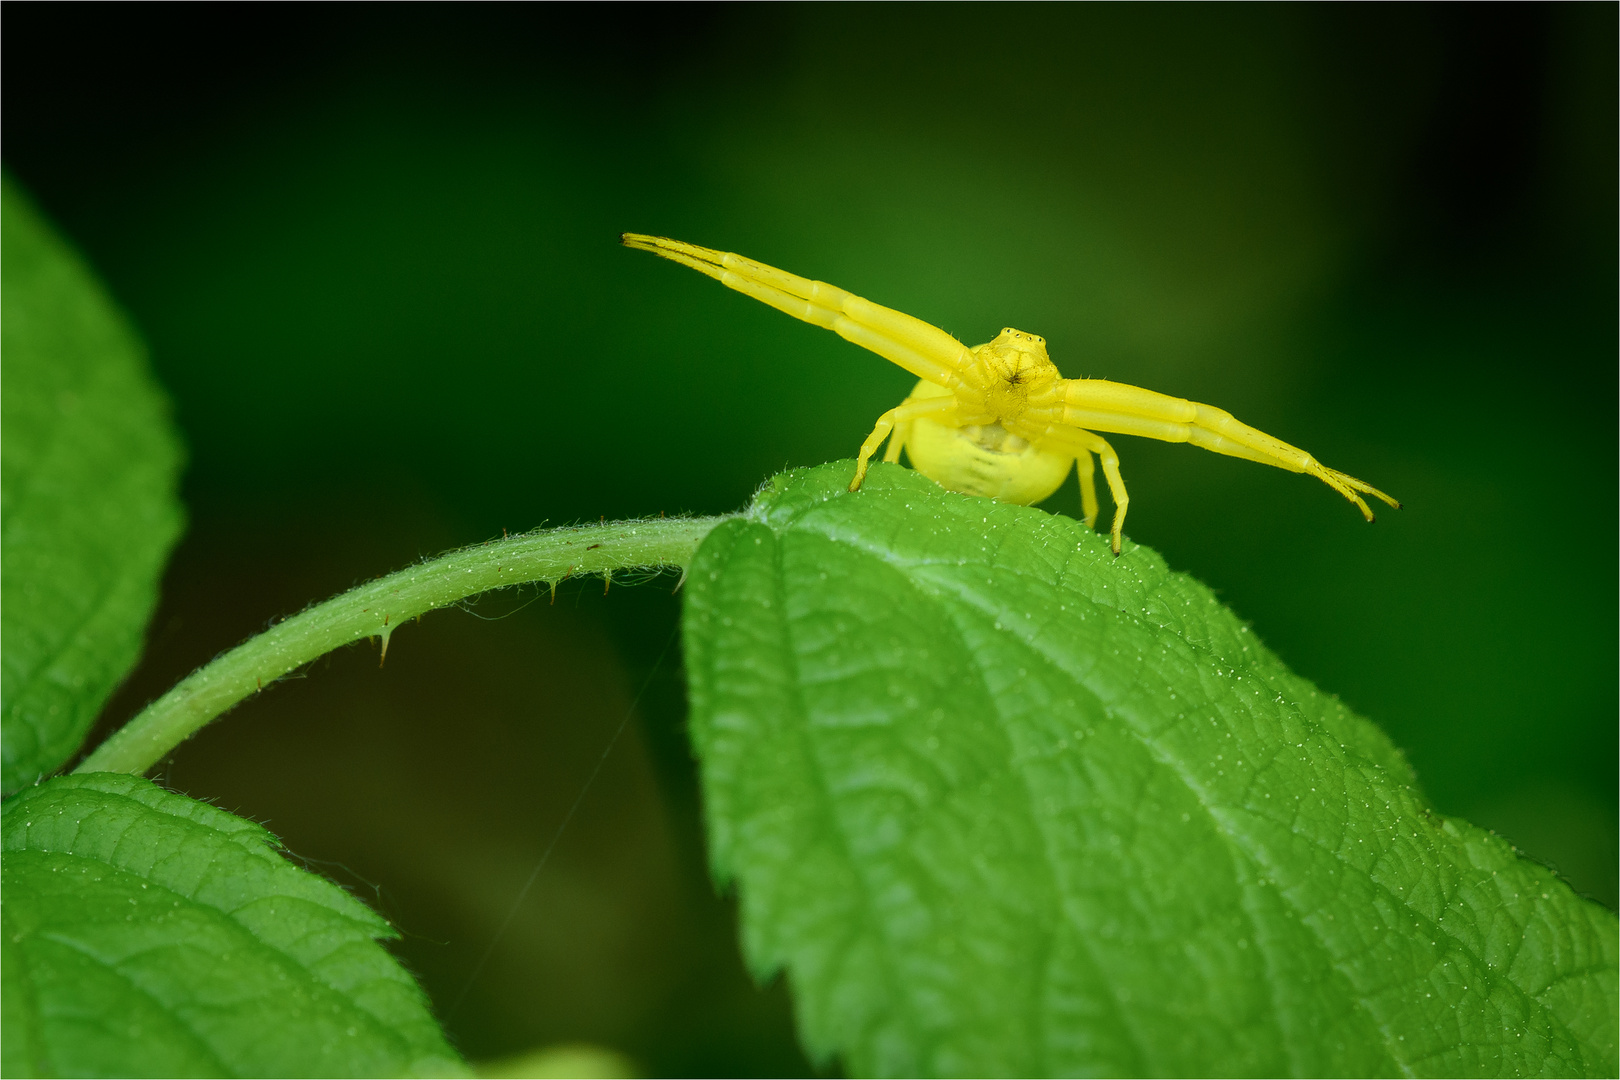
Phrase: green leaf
x=88 y=465
x=147 y=934
x=1002 y=804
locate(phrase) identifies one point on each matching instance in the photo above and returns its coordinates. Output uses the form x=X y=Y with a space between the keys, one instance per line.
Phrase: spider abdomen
x=983 y=459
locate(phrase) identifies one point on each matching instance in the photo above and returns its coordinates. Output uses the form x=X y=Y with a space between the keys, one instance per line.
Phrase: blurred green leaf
x=1001 y=804
x=148 y=934
x=88 y=467
x=577 y=1060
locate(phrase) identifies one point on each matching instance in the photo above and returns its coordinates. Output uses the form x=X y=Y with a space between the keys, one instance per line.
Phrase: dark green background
x=373 y=250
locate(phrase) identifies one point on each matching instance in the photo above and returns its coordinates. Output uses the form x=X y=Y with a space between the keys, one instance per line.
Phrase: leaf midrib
x=908 y=569
x=1138 y=1042
x=1049 y=866
x=1252 y=851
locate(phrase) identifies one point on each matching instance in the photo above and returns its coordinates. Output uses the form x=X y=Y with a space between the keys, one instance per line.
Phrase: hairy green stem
x=378 y=608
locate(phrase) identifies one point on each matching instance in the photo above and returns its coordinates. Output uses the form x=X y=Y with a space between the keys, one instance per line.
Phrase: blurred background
x=373 y=250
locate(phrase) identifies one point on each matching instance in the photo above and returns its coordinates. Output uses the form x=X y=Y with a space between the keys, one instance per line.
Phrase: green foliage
x=147 y=934
x=144 y=933
x=997 y=802
x=88 y=465
x=1001 y=804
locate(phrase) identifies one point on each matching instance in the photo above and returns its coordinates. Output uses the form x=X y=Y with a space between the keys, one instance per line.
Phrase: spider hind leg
x=1087 y=470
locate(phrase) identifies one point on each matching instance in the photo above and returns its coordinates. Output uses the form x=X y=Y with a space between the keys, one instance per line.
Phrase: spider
x=997 y=419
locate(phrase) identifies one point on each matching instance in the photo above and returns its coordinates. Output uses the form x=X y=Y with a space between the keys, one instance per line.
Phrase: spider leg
x=1088 y=487
x=1116 y=485
x=1085 y=443
x=902 y=434
x=1328 y=476
x=1130 y=410
x=924 y=350
x=1217 y=430
x=902 y=430
x=940 y=408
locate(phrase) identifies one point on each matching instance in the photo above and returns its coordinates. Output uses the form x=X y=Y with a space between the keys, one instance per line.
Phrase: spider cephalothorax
x=998 y=420
x=1009 y=374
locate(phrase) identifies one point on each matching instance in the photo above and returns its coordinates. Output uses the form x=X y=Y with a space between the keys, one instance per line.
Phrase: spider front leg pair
x=997 y=419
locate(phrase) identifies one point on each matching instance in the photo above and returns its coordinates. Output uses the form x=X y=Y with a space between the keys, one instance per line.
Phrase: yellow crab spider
x=997 y=419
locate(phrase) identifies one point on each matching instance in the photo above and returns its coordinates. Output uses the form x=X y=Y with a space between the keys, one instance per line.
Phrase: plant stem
x=378 y=608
